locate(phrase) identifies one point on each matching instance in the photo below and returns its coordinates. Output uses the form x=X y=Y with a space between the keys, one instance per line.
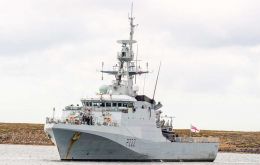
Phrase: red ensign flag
x=194 y=129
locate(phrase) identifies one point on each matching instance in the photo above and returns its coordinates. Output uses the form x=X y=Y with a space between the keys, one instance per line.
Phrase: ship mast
x=126 y=67
x=132 y=26
x=130 y=77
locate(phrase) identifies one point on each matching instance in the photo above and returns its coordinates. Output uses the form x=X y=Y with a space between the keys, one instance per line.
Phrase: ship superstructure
x=118 y=124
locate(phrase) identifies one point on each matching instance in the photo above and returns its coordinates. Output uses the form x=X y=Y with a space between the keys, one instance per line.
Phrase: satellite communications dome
x=104 y=89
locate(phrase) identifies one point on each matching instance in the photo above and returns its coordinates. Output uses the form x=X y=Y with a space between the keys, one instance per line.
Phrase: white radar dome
x=104 y=89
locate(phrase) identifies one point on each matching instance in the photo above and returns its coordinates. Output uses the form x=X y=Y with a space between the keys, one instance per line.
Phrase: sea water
x=48 y=155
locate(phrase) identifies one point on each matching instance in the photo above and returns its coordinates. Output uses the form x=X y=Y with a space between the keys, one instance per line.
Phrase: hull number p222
x=130 y=142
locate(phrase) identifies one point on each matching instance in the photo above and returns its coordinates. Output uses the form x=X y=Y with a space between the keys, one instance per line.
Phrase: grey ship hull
x=92 y=145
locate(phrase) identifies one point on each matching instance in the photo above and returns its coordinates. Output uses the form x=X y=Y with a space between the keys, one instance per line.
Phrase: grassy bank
x=230 y=141
x=16 y=133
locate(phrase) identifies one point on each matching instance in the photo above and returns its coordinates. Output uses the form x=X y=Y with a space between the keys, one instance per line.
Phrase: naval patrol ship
x=118 y=124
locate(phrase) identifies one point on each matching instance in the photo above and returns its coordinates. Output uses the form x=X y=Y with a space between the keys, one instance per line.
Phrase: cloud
x=204 y=23
x=33 y=26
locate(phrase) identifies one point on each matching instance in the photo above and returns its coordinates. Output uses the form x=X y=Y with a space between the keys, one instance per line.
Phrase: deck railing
x=79 y=122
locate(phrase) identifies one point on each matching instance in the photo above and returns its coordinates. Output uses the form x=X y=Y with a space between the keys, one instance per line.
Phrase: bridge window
x=102 y=104
x=108 y=104
x=114 y=104
x=130 y=105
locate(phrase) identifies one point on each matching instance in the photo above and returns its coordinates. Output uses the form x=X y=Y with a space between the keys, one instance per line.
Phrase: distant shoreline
x=230 y=141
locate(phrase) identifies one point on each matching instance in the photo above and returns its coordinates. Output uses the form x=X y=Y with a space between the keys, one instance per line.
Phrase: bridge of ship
x=105 y=110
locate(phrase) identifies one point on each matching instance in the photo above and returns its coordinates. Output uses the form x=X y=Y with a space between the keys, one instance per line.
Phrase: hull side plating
x=90 y=145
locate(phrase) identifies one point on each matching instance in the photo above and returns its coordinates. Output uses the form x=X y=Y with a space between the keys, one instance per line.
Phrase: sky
x=51 y=51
